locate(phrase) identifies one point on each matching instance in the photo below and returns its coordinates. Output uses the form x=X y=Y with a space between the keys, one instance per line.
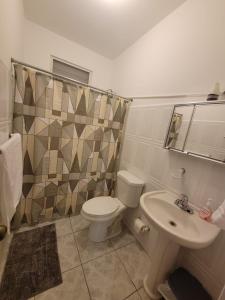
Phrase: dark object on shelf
x=212 y=97
x=185 y=286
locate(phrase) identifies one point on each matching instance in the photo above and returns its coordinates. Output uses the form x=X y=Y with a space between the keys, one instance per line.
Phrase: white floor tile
x=143 y=294
x=135 y=261
x=63 y=226
x=134 y=296
x=123 y=239
x=68 y=253
x=78 y=223
x=89 y=250
x=107 y=278
x=73 y=287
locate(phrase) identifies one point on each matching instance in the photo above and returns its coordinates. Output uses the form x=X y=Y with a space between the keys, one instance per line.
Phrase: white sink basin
x=185 y=229
x=175 y=228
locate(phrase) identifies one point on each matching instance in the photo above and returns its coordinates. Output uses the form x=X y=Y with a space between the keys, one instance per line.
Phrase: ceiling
x=107 y=27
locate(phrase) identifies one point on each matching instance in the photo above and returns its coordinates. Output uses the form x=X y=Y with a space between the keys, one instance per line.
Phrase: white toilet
x=105 y=213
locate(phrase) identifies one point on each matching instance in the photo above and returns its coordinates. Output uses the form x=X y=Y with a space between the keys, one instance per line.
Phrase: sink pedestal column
x=163 y=260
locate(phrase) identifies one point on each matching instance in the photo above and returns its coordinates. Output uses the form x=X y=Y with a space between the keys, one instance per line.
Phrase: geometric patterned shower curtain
x=71 y=138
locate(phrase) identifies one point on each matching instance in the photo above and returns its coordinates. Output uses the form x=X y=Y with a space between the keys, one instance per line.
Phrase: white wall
x=184 y=53
x=11 y=30
x=11 y=40
x=40 y=44
x=143 y=155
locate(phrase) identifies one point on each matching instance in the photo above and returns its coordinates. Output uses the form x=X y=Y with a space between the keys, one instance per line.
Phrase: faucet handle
x=183 y=203
x=184 y=197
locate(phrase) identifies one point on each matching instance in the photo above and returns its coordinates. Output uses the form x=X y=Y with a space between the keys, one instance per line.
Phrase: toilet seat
x=101 y=208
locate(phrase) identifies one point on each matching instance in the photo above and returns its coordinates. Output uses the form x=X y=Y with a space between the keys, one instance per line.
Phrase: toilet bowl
x=105 y=213
x=101 y=212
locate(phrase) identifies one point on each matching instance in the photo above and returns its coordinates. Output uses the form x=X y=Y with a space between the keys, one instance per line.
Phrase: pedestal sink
x=176 y=228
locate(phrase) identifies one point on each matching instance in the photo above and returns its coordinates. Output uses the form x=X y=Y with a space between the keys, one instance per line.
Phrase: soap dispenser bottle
x=206 y=211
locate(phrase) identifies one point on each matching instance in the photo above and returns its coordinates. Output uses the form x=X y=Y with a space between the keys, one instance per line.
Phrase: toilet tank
x=129 y=188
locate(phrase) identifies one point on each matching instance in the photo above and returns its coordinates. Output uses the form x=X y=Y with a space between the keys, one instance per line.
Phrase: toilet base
x=102 y=231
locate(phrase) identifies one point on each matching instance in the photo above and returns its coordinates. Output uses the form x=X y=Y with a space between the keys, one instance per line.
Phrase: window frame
x=72 y=65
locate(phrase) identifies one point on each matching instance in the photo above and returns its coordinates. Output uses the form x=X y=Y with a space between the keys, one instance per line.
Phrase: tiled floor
x=111 y=270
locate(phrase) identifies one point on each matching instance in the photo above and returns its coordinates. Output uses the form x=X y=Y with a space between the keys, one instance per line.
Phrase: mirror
x=198 y=129
x=179 y=125
x=207 y=132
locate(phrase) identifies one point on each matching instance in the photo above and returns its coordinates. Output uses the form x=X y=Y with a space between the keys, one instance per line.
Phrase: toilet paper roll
x=139 y=226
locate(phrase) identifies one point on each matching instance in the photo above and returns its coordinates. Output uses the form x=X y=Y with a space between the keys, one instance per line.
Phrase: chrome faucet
x=182 y=203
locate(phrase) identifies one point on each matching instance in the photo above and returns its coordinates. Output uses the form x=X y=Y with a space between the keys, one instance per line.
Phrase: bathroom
x=99 y=97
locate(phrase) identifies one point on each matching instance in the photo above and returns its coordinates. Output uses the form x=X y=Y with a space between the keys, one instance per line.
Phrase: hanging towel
x=11 y=178
x=218 y=216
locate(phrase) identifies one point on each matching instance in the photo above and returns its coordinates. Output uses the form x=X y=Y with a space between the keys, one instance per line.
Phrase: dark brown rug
x=32 y=264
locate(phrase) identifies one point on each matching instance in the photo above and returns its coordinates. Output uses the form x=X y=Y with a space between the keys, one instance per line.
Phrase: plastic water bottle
x=206 y=211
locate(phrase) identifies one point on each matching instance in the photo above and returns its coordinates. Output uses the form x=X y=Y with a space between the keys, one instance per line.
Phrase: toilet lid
x=101 y=206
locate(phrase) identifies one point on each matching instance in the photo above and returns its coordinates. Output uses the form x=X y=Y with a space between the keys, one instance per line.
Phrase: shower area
x=71 y=139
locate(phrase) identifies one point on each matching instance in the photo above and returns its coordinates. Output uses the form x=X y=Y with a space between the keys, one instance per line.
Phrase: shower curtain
x=71 y=138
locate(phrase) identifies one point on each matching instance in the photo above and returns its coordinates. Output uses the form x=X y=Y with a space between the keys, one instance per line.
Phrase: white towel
x=11 y=178
x=218 y=216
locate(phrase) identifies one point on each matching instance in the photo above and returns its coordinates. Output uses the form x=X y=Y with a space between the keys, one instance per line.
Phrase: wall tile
x=145 y=129
x=161 y=117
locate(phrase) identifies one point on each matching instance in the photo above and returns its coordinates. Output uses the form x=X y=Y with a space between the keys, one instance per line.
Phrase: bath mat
x=32 y=264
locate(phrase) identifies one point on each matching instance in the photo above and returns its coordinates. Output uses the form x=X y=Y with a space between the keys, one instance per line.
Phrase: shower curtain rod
x=129 y=99
x=66 y=79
